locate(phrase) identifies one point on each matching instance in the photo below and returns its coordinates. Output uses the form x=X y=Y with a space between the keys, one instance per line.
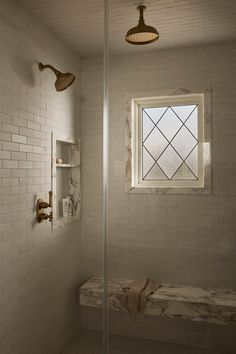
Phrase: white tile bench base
x=216 y=306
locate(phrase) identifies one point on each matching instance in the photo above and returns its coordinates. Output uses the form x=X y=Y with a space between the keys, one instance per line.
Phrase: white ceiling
x=79 y=23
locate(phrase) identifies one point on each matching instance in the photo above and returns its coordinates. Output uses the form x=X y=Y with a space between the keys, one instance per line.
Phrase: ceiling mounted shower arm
x=141 y=8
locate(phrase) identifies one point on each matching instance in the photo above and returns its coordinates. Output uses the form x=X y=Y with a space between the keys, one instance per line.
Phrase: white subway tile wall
x=39 y=269
x=186 y=239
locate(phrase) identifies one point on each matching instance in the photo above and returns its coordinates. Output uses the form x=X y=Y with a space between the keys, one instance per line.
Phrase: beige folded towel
x=151 y=287
x=136 y=295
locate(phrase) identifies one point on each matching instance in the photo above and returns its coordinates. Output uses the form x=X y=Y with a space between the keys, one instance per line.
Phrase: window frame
x=134 y=143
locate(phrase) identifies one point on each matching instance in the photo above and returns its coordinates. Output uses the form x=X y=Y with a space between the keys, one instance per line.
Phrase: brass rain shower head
x=142 y=33
x=63 y=80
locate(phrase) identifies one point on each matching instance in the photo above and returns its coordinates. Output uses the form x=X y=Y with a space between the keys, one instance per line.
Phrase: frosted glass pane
x=169 y=161
x=169 y=124
x=192 y=161
x=156 y=174
x=170 y=142
x=155 y=143
x=147 y=125
x=155 y=113
x=184 y=173
x=183 y=112
x=184 y=142
x=148 y=162
x=192 y=123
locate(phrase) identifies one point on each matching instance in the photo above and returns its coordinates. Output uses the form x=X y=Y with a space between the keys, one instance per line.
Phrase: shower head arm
x=48 y=66
x=63 y=80
x=141 y=8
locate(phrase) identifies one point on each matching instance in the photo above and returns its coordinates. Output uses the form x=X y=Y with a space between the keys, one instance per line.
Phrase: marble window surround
x=217 y=306
x=129 y=153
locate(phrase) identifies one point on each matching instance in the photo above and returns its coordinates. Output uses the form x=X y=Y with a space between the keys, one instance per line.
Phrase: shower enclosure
x=115 y=237
x=138 y=228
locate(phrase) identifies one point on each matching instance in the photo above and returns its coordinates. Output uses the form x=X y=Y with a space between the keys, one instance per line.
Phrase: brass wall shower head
x=63 y=80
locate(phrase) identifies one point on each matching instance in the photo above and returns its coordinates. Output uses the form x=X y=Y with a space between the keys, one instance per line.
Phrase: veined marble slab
x=216 y=306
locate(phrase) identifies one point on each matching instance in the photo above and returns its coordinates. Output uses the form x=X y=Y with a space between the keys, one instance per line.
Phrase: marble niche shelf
x=65 y=178
x=67 y=165
x=217 y=306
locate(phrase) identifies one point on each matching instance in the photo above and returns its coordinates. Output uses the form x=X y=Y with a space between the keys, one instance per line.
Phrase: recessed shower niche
x=65 y=179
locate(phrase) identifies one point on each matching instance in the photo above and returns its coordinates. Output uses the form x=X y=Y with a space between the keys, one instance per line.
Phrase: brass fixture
x=63 y=80
x=40 y=206
x=142 y=33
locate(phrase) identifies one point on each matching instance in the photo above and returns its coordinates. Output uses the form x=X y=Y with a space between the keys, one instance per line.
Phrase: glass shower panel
x=90 y=336
x=160 y=227
x=136 y=265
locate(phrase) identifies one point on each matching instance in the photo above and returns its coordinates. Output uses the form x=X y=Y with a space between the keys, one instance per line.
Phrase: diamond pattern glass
x=184 y=142
x=170 y=143
x=155 y=143
x=169 y=124
x=169 y=161
x=155 y=113
x=183 y=112
x=156 y=173
x=191 y=123
x=148 y=125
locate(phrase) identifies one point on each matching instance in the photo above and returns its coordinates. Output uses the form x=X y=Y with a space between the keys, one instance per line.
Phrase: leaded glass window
x=170 y=142
x=167 y=141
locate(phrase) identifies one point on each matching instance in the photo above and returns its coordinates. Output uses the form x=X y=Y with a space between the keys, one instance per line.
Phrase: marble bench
x=216 y=306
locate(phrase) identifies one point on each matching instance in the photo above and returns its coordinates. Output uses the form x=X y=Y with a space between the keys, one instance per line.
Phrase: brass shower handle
x=40 y=206
x=44 y=216
x=44 y=205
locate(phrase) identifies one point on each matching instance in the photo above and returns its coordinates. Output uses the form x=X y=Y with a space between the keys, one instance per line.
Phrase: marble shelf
x=216 y=306
x=67 y=165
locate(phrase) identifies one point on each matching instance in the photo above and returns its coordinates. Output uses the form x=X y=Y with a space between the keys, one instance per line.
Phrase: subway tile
x=5 y=155
x=11 y=128
x=11 y=146
x=10 y=164
x=19 y=139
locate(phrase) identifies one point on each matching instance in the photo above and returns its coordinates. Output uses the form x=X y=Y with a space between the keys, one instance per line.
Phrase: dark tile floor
x=90 y=342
